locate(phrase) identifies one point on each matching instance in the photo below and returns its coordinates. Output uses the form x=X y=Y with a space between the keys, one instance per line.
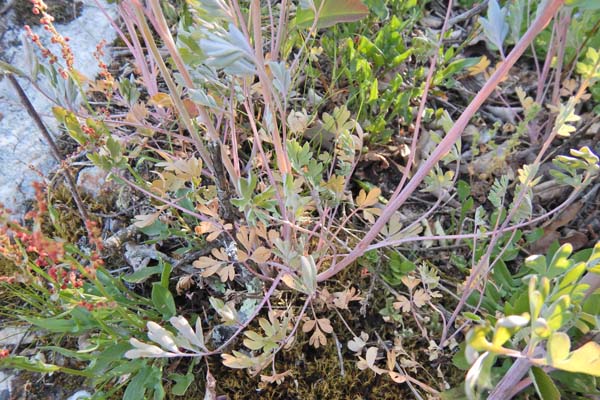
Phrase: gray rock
x=93 y=181
x=23 y=153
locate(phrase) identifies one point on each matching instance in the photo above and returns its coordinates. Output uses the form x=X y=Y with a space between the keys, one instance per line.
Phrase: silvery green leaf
x=241 y=68
x=227 y=312
x=201 y=97
x=160 y=335
x=588 y=5
x=516 y=11
x=309 y=273
x=145 y=350
x=183 y=327
x=268 y=119
x=216 y=7
x=230 y=53
x=479 y=375
x=237 y=38
x=216 y=46
x=495 y=26
x=282 y=79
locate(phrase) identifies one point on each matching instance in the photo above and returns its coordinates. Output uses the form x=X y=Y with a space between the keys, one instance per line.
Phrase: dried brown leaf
x=317 y=339
x=309 y=325
x=402 y=304
x=421 y=297
x=261 y=255
x=325 y=325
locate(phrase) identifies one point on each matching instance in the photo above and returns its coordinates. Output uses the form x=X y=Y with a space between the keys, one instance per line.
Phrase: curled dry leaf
x=357 y=344
x=396 y=377
x=209 y=227
x=184 y=283
x=160 y=335
x=341 y=299
x=275 y=378
x=210 y=392
x=144 y=221
x=371 y=356
x=145 y=350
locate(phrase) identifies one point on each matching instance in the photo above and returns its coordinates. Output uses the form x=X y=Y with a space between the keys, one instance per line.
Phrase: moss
x=67 y=224
x=315 y=374
x=7 y=266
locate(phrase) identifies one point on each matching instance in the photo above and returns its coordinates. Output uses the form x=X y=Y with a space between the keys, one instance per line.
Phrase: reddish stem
x=446 y=144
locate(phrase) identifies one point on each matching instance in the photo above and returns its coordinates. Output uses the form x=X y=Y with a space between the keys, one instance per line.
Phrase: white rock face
x=21 y=144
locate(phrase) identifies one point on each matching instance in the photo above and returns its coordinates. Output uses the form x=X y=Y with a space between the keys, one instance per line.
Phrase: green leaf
x=544 y=385
x=458 y=65
x=576 y=382
x=459 y=359
x=559 y=345
x=536 y=263
x=400 y=265
x=498 y=191
x=379 y=8
x=374 y=91
x=495 y=26
x=111 y=354
x=166 y=273
x=536 y=300
x=331 y=12
x=142 y=274
x=502 y=276
x=560 y=262
x=463 y=189
x=593 y=264
x=114 y=148
x=24 y=363
x=573 y=275
x=558 y=313
x=6 y=68
x=163 y=300
x=585 y=359
x=584 y=4
x=182 y=383
x=58 y=325
x=138 y=385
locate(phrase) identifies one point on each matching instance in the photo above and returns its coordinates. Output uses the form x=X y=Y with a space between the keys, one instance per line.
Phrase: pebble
x=93 y=181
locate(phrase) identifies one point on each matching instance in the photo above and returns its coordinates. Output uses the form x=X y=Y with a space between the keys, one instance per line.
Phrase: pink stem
x=446 y=144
